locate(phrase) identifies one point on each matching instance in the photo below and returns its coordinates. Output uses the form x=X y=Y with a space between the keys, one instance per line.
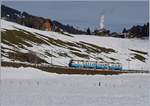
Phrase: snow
x=33 y=87
x=14 y=26
x=22 y=73
x=122 y=46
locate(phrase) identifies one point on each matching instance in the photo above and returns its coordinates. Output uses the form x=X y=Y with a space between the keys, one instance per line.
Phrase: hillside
x=29 y=20
x=28 y=45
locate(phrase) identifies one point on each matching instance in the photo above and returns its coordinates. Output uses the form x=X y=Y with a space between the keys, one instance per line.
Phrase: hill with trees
x=137 y=31
x=26 y=19
x=36 y=22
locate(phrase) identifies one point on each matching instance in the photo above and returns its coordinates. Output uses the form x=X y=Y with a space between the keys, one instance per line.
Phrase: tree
x=88 y=31
x=147 y=29
x=124 y=30
x=135 y=31
x=144 y=31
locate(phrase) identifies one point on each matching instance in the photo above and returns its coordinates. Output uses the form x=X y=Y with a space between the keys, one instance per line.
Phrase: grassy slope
x=23 y=38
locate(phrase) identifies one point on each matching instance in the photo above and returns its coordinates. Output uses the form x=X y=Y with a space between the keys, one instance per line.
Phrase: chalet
x=47 y=25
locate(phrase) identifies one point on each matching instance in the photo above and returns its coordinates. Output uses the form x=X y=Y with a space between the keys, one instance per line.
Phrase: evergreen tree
x=88 y=31
x=124 y=30
x=147 y=29
x=144 y=31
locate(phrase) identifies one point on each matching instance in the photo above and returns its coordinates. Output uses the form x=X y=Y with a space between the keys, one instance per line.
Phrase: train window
x=119 y=65
x=99 y=63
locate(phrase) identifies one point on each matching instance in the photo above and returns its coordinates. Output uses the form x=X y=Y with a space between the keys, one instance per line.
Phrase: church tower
x=102 y=22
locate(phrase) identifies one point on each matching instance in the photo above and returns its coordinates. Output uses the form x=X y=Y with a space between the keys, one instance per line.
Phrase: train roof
x=96 y=61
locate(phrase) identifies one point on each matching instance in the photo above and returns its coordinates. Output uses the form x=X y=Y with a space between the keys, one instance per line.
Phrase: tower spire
x=102 y=22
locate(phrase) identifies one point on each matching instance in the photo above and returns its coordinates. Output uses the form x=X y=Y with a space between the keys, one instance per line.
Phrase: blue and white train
x=95 y=65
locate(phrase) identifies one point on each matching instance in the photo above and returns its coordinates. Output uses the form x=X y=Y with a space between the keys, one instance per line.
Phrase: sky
x=84 y=14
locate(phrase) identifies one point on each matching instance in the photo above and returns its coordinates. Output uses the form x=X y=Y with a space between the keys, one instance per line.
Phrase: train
x=95 y=65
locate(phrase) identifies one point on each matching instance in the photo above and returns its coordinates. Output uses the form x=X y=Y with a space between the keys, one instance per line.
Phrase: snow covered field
x=131 y=53
x=33 y=87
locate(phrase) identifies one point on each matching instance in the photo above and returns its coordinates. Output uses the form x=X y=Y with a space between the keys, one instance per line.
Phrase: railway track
x=67 y=70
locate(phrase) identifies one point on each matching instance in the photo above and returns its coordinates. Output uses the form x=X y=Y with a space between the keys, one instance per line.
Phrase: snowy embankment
x=131 y=53
x=33 y=87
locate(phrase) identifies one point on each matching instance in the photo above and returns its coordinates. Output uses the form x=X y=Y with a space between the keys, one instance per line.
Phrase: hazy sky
x=87 y=14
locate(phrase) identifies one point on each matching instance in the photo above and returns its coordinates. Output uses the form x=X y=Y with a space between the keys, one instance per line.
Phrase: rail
x=48 y=66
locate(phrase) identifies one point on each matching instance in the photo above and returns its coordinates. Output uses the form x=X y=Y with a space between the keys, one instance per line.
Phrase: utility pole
x=14 y=54
x=35 y=59
x=51 y=56
x=128 y=63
